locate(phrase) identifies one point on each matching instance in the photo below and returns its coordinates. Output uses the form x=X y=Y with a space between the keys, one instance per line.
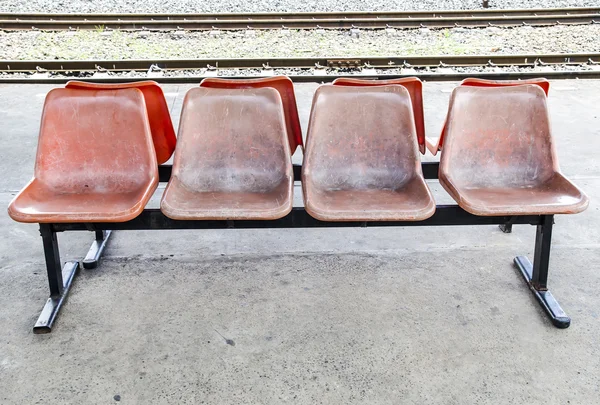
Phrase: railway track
x=438 y=68
x=329 y=20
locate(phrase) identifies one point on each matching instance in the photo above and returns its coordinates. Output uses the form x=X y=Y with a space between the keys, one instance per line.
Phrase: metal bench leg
x=536 y=275
x=96 y=250
x=59 y=279
x=507 y=226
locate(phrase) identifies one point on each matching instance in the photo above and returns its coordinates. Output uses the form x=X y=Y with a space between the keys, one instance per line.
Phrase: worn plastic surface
x=499 y=157
x=232 y=159
x=95 y=160
x=163 y=134
x=415 y=89
x=435 y=145
x=283 y=85
x=362 y=160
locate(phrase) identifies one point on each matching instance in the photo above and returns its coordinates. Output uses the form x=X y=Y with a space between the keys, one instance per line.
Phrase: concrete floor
x=322 y=316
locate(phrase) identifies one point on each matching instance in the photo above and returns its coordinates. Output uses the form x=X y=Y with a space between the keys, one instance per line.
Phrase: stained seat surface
x=283 y=85
x=415 y=89
x=362 y=159
x=498 y=156
x=163 y=134
x=435 y=145
x=232 y=159
x=95 y=160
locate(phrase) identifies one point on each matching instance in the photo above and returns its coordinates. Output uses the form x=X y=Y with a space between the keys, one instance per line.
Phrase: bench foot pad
x=93 y=256
x=53 y=305
x=544 y=297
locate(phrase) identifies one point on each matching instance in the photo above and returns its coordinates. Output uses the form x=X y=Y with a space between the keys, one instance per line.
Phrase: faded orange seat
x=362 y=160
x=283 y=85
x=415 y=89
x=498 y=156
x=163 y=134
x=95 y=161
x=232 y=159
x=435 y=145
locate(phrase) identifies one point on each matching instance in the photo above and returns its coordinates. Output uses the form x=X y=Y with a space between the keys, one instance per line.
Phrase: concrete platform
x=317 y=316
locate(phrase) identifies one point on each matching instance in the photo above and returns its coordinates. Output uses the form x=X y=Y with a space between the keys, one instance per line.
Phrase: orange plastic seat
x=283 y=85
x=436 y=145
x=499 y=157
x=362 y=160
x=415 y=89
x=232 y=159
x=163 y=134
x=95 y=161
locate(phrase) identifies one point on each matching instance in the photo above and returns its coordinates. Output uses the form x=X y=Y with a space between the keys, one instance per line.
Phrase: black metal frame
x=61 y=278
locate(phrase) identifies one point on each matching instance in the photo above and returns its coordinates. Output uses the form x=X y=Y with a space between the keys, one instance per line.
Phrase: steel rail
x=376 y=62
x=326 y=20
x=309 y=78
x=318 y=69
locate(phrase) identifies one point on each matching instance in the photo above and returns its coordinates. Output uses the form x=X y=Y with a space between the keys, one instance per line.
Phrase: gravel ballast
x=35 y=45
x=242 y=6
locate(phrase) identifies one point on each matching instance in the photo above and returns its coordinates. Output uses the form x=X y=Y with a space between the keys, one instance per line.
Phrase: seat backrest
x=94 y=141
x=415 y=89
x=498 y=136
x=361 y=138
x=163 y=134
x=232 y=140
x=544 y=84
x=283 y=85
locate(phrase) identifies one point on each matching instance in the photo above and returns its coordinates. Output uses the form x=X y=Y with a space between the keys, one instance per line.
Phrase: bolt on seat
x=163 y=134
x=499 y=156
x=362 y=160
x=435 y=145
x=415 y=89
x=283 y=85
x=232 y=160
x=95 y=160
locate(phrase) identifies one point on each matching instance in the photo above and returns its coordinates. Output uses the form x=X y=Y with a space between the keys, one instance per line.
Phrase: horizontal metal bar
x=430 y=171
x=298 y=218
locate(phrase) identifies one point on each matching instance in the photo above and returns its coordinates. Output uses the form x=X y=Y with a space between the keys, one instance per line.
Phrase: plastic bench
x=96 y=167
